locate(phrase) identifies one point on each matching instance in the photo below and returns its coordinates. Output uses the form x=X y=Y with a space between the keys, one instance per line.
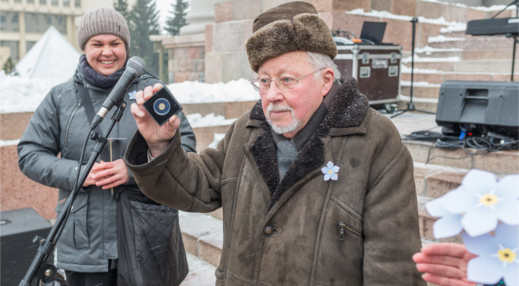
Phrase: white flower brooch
x=330 y=171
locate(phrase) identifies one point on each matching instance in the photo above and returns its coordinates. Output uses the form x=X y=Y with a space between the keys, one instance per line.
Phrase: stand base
x=410 y=107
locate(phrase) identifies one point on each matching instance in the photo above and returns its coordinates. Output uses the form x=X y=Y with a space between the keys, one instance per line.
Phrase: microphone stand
x=410 y=105
x=39 y=269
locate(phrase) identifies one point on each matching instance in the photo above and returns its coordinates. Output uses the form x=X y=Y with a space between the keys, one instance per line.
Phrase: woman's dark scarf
x=97 y=79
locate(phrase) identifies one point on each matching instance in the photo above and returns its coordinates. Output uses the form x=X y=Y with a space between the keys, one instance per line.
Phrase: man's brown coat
x=289 y=232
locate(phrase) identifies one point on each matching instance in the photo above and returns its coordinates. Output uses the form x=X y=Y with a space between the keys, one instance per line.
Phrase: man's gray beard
x=293 y=126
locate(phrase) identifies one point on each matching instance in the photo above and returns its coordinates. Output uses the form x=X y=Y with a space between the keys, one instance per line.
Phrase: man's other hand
x=157 y=137
x=444 y=264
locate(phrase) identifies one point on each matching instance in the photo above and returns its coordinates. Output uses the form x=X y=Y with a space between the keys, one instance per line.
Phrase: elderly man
x=316 y=187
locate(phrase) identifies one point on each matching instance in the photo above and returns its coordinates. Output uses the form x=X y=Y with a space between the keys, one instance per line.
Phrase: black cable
x=481 y=145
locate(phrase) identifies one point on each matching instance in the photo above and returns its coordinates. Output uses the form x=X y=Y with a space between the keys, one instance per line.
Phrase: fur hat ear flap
x=303 y=32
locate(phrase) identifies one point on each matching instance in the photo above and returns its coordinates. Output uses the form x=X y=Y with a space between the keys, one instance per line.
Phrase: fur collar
x=348 y=109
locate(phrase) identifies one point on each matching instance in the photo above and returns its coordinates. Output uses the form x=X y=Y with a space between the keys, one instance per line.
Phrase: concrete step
x=494 y=65
x=438 y=77
x=473 y=54
x=469 y=42
x=419 y=91
x=200 y=272
x=202 y=235
x=434 y=181
x=420 y=103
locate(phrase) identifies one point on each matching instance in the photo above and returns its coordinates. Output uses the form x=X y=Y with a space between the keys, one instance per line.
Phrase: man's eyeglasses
x=285 y=83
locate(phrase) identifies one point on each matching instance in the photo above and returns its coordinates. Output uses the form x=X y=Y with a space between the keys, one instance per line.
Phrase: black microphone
x=135 y=67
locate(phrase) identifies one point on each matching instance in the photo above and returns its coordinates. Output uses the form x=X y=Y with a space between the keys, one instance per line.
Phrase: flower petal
x=436 y=209
x=479 y=181
x=327 y=176
x=324 y=170
x=478 y=222
x=329 y=165
x=508 y=236
x=508 y=211
x=508 y=187
x=511 y=274
x=335 y=169
x=334 y=177
x=447 y=226
x=482 y=245
x=484 y=270
x=457 y=201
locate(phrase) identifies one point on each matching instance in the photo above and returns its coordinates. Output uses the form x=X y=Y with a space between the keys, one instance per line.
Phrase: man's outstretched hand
x=444 y=264
x=157 y=137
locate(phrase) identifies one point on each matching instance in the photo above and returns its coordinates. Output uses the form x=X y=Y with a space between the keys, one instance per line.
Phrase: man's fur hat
x=289 y=27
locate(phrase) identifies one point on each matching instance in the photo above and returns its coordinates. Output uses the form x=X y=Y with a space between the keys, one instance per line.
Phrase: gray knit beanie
x=102 y=21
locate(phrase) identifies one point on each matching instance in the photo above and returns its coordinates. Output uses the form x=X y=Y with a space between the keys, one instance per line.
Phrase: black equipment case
x=479 y=107
x=18 y=228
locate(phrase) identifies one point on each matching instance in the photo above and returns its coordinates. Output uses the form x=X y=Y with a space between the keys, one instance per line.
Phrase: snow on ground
x=196 y=120
x=12 y=142
x=217 y=138
x=197 y=92
x=442 y=38
x=22 y=94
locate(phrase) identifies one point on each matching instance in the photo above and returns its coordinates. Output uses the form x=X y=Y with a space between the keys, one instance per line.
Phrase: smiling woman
x=105 y=53
x=94 y=248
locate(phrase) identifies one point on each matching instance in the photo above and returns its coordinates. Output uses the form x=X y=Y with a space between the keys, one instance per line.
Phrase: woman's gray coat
x=49 y=152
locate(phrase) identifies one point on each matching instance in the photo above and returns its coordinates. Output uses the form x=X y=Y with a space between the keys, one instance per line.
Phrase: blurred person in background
x=102 y=231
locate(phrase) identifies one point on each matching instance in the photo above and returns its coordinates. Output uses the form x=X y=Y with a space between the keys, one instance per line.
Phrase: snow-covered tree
x=177 y=17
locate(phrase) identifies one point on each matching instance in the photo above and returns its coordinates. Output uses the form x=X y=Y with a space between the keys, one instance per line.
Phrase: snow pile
x=197 y=92
x=429 y=50
x=51 y=58
x=15 y=142
x=417 y=59
x=217 y=138
x=442 y=38
x=22 y=94
x=456 y=27
x=418 y=83
x=196 y=120
x=388 y=15
x=481 y=8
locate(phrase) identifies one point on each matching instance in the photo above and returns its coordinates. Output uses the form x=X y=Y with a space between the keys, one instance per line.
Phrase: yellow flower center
x=506 y=255
x=330 y=171
x=489 y=200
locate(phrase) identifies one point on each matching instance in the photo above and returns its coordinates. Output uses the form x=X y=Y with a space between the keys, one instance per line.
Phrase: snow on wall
x=196 y=120
x=442 y=38
x=24 y=95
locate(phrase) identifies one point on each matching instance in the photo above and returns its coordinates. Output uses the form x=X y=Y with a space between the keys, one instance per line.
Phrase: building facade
x=23 y=22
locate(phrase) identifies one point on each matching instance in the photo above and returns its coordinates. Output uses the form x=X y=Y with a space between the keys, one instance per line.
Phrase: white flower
x=330 y=171
x=132 y=94
x=477 y=205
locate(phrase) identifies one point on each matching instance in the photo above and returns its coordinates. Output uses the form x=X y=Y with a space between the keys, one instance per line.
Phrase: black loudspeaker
x=479 y=107
x=18 y=228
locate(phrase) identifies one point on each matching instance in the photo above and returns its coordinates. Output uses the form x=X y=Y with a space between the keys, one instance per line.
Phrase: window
x=9 y=21
x=43 y=2
x=13 y=46
x=54 y=2
x=18 y=1
x=39 y=23
x=29 y=45
x=66 y=3
x=30 y=1
x=77 y=3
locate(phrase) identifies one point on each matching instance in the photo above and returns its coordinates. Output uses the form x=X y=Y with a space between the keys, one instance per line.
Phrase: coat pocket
x=159 y=257
x=340 y=253
x=75 y=235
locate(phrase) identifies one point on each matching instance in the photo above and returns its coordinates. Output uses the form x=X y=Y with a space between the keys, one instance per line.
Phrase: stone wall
x=186 y=58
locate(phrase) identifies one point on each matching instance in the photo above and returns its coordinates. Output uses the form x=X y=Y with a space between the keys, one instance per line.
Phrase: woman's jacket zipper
x=70 y=121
